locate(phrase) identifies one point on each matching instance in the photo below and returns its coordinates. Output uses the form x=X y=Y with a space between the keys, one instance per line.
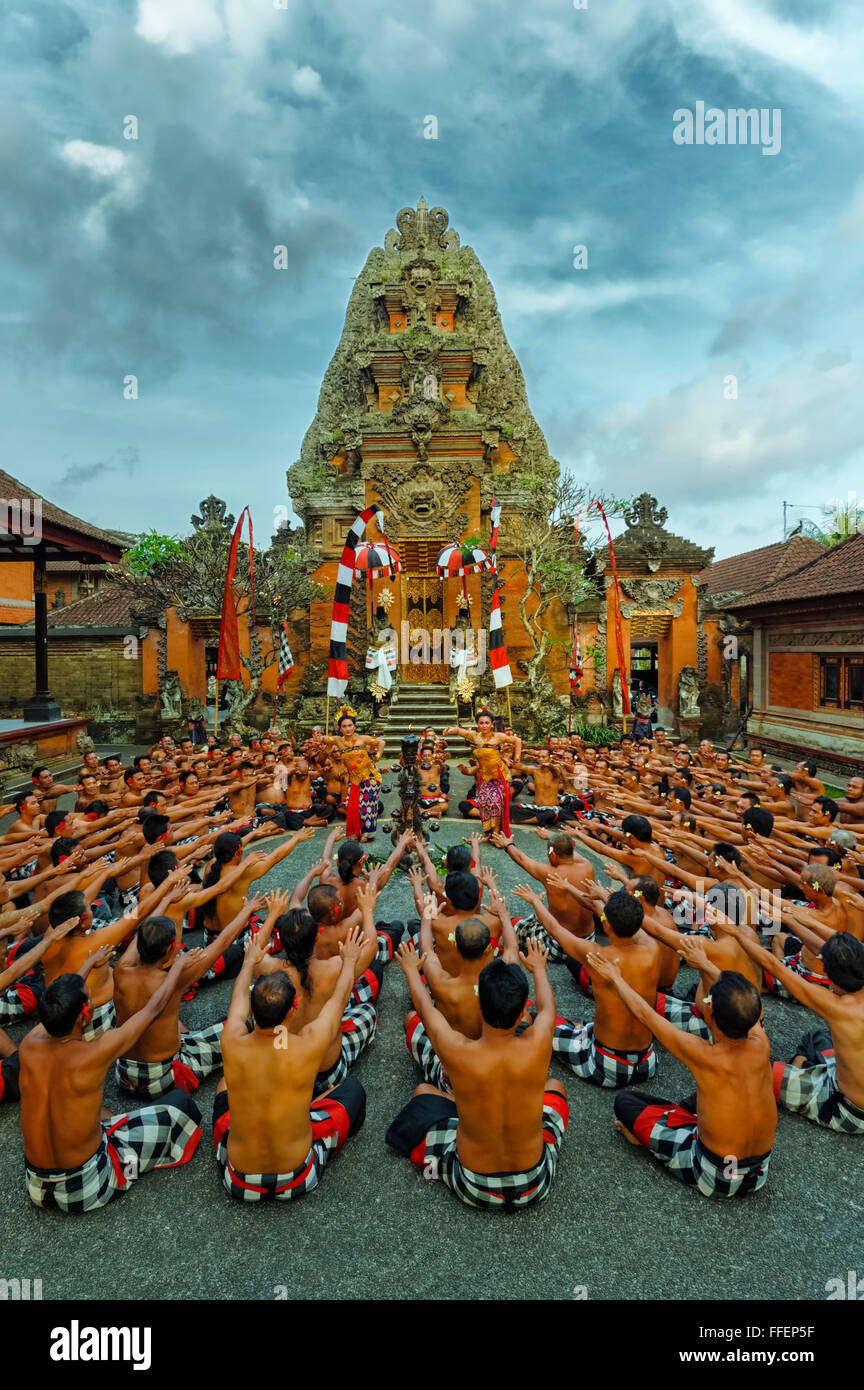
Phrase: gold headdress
x=344 y=711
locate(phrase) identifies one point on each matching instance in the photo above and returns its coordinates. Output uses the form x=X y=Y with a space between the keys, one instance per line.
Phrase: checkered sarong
x=669 y=1131
x=359 y=1023
x=332 y=1122
x=23 y=871
x=588 y=1059
x=813 y=1090
x=424 y=1054
x=794 y=962
x=22 y=999
x=200 y=1054
x=160 y=1136
x=104 y=1017
x=367 y=988
x=530 y=929
x=436 y=1155
x=683 y=1014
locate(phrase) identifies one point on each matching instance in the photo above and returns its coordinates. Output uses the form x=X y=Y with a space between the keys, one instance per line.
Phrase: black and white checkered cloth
x=498 y=1191
x=359 y=1023
x=104 y=1016
x=529 y=929
x=588 y=1059
x=200 y=1054
x=160 y=1136
x=425 y=1055
x=813 y=1090
x=683 y=1014
x=669 y=1131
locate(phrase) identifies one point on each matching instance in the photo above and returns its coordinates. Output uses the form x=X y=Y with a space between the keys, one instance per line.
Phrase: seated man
x=455 y=991
x=825 y=1079
x=719 y=1140
x=495 y=1142
x=315 y=980
x=616 y=1048
x=275 y=1140
x=164 y=1056
x=75 y=1160
x=562 y=863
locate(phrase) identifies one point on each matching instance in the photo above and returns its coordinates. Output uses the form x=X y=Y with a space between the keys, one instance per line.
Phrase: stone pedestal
x=689 y=730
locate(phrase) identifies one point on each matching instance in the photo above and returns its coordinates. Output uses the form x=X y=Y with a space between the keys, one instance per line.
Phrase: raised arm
x=685 y=1046
x=531 y=866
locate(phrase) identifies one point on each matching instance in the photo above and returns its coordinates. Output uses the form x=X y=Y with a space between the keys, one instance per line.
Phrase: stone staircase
x=415 y=708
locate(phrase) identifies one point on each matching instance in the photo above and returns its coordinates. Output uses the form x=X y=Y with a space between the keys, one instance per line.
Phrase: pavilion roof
x=63 y=535
x=830 y=574
x=742 y=574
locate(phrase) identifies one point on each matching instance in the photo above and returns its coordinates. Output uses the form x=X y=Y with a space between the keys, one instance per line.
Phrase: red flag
x=616 y=610
x=228 y=664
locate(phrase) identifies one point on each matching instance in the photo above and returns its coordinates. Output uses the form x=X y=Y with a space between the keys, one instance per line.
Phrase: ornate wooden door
x=422 y=605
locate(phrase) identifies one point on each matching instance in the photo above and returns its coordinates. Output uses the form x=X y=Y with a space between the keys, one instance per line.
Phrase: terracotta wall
x=790 y=679
x=16 y=583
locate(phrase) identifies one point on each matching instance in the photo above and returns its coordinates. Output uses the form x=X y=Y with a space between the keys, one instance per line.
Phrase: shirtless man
x=617 y=1048
x=47 y=790
x=9 y=1063
x=75 y=1160
x=568 y=911
x=825 y=916
x=719 y=1140
x=825 y=1079
x=850 y=808
x=456 y=993
x=275 y=1140
x=300 y=807
x=433 y=801
x=495 y=1142
x=637 y=853
x=462 y=894
x=314 y=981
x=226 y=905
x=163 y=1056
x=548 y=780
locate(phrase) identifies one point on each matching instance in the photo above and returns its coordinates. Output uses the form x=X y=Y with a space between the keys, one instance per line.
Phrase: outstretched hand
x=604 y=966
x=534 y=957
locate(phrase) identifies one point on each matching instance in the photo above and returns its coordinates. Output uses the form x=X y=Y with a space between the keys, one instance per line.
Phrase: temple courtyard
x=614 y=1226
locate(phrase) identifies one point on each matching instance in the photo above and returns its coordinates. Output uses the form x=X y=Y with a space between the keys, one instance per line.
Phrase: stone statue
x=617 y=695
x=688 y=693
x=171 y=695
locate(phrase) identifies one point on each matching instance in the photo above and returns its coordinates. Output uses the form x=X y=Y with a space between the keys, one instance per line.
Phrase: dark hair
x=150 y=799
x=154 y=937
x=348 y=856
x=728 y=899
x=61 y=1004
x=20 y=799
x=683 y=795
x=784 y=781
x=161 y=865
x=320 y=900
x=127 y=775
x=810 y=768
x=502 y=990
x=639 y=827
x=624 y=913
x=649 y=889
x=62 y=847
x=298 y=931
x=485 y=714
x=760 y=821
x=70 y=904
x=225 y=846
x=463 y=890
x=272 y=996
x=728 y=852
x=832 y=856
x=562 y=845
x=736 y=1004
x=472 y=938
x=53 y=820
x=457 y=859
x=719 y=788
x=154 y=826
x=98 y=808
x=36 y=771
x=183 y=777
x=141 y=758
x=829 y=807
x=843 y=957
x=751 y=797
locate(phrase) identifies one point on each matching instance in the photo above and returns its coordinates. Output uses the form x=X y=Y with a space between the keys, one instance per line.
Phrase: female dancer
x=359 y=754
x=493 y=781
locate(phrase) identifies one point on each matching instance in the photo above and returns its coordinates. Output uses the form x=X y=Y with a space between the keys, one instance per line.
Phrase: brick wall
x=790 y=679
x=82 y=672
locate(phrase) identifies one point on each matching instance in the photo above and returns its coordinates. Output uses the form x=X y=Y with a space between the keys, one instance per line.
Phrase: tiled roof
x=754 y=569
x=108 y=607
x=12 y=487
x=839 y=570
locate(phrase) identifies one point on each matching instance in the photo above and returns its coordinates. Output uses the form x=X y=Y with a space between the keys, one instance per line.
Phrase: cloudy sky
x=263 y=123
